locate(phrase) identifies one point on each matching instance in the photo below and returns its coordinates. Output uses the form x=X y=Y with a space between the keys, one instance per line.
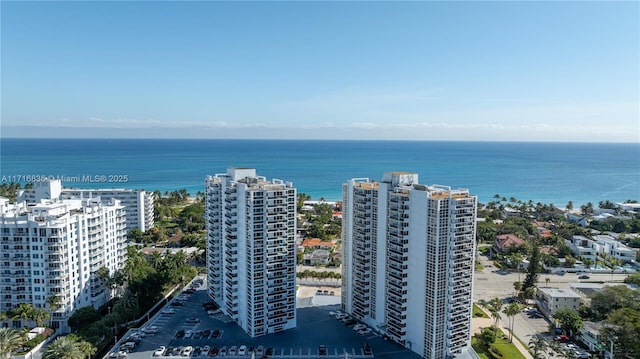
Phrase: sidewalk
x=477 y=323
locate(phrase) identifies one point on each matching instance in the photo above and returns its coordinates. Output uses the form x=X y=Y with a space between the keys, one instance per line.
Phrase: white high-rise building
x=408 y=261
x=54 y=248
x=138 y=203
x=251 y=259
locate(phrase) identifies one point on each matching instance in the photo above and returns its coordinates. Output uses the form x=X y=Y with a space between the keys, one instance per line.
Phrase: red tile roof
x=316 y=242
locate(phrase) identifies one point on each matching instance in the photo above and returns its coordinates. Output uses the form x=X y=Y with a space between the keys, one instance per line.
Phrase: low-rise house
x=615 y=249
x=584 y=247
x=506 y=241
x=590 y=336
x=551 y=300
x=317 y=257
x=317 y=243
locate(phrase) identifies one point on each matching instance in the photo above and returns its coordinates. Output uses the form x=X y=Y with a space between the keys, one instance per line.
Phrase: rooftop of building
x=316 y=242
x=506 y=240
x=559 y=293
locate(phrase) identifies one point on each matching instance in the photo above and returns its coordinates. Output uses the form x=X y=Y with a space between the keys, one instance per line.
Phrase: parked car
x=233 y=350
x=259 y=351
x=205 y=351
x=192 y=320
x=150 y=329
x=242 y=350
x=187 y=351
x=561 y=338
x=168 y=351
x=367 y=349
x=180 y=333
x=159 y=351
x=188 y=334
x=169 y=311
x=584 y=276
x=223 y=351
x=206 y=333
x=322 y=350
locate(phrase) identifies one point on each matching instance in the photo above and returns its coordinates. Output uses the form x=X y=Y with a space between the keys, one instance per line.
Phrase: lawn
x=506 y=349
x=478 y=312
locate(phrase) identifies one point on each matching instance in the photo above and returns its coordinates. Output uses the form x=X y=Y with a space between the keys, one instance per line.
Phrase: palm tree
x=40 y=315
x=24 y=312
x=511 y=310
x=495 y=306
x=10 y=339
x=87 y=349
x=63 y=348
x=54 y=304
x=537 y=346
x=553 y=349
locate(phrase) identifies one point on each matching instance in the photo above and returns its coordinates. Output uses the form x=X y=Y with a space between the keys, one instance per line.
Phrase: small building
x=551 y=300
x=583 y=247
x=317 y=243
x=615 y=249
x=317 y=257
x=590 y=336
x=506 y=241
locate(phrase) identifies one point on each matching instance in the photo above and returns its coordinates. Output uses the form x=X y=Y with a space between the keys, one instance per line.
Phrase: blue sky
x=524 y=71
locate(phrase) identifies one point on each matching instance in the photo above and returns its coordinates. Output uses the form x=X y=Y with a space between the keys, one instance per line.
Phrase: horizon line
x=311 y=139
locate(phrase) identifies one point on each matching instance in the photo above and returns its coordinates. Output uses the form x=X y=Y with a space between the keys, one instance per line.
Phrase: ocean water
x=541 y=172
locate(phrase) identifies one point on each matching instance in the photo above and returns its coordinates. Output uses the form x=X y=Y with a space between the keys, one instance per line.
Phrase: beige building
x=553 y=299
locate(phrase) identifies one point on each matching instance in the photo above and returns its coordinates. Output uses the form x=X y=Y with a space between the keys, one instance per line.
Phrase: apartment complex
x=251 y=257
x=138 y=203
x=54 y=248
x=408 y=261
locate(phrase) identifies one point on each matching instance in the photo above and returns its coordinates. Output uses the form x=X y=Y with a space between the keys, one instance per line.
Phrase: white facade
x=251 y=258
x=601 y=244
x=138 y=203
x=553 y=299
x=408 y=261
x=612 y=247
x=54 y=248
x=584 y=247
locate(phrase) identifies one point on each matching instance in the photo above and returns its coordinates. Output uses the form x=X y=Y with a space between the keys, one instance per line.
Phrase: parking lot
x=315 y=328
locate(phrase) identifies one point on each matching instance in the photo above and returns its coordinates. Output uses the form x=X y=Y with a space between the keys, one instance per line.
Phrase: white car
x=205 y=351
x=169 y=311
x=151 y=329
x=357 y=327
x=242 y=350
x=187 y=351
x=160 y=351
x=188 y=334
x=364 y=331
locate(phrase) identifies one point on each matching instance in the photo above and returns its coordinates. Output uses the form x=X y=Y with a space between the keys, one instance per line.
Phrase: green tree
x=534 y=267
x=86 y=348
x=54 y=303
x=10 y=340
x=302 y=197
x=569 y=205
x=511 y=310
x=537 y=347
x=40 y=315
x=83 y=315
x=569 y=320
x=624 y=330
x=24 y=312
x=495 y=306
x=136 y=235
x=63 y=348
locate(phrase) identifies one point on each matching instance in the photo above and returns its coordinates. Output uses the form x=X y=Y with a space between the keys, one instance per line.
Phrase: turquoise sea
x=542 y=172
